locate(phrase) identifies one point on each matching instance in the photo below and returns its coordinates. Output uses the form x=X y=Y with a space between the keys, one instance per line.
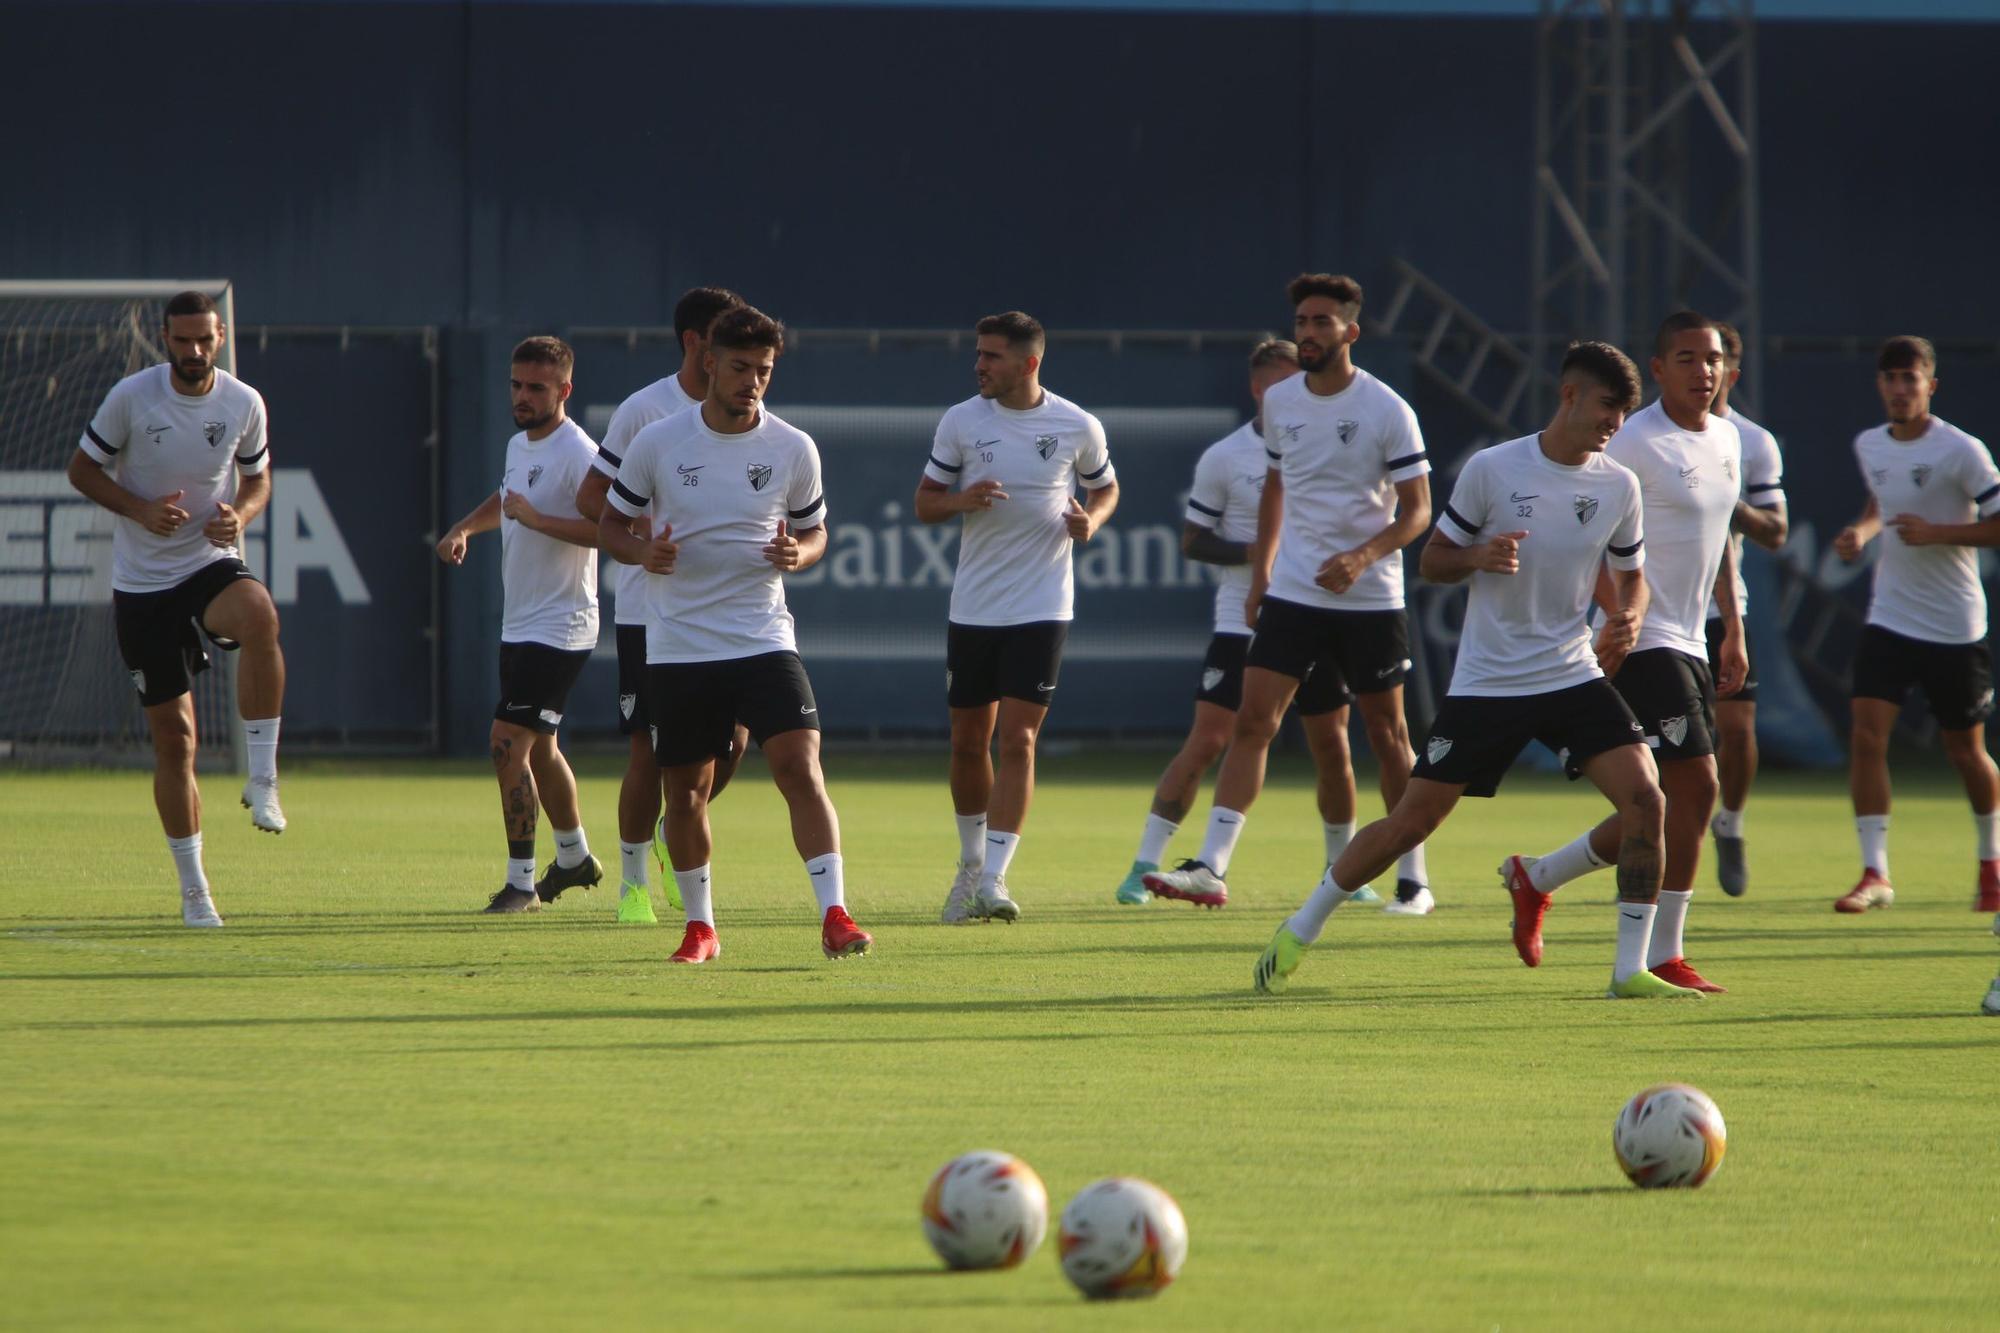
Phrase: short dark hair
x=546 y=350
x=1681 y=321
x=1906 y=351
x=189 y=303
x=1019 y=328
x=1273 y=349
x=745 y=327
x=1732 y=343
x=1338 y=286
x=699 y=306
x=1604 y=364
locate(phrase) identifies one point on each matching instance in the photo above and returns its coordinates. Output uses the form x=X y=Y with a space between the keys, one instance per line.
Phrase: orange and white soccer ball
x=986 y=1209
x=1670 y=1137
x=1122 y=1237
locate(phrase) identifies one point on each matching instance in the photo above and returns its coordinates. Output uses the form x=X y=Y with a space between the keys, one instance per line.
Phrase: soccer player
x=1346 y=489
x=548 y=626
x=1529 y=523
x=178 y=452
x=1926 y=613
x=1220 y=524
x=639 y=792
x=1009 y=460
x=1760 y=516
x=736 y=499
x=1690 y=468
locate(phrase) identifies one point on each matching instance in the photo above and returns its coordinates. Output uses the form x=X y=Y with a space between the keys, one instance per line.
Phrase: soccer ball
x=1669 y=1137
x=985 y=1210
x=1122 y=1237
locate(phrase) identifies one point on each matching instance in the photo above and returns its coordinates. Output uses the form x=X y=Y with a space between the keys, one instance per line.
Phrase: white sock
x=1635 y=931
x=697 y=895
x=999 y=853
x=187 y=859
x=1337 y=838
x=572 y=848
x=1667 y=922
x=1571 y=861
x=1153 y=842
x=1219 y=845
x=1308 y=921
x=971 y=840
x=1874 y=832
x=632 y=858
x=260 y=738
x=824 y=871
x=1728 y=823
x=1411 y=866
x=521 y=874
x=1989 y=835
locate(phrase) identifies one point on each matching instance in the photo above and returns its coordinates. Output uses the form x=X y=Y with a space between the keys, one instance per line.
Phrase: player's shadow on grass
x=1546 y=1192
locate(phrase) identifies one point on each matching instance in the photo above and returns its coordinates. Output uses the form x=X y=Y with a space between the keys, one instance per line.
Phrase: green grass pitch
x=364 y=1106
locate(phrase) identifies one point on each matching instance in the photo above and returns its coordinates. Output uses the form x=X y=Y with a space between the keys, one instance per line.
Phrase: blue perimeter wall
x=499 y=169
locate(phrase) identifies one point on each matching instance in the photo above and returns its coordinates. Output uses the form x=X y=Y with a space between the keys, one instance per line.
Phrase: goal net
x=64 y=692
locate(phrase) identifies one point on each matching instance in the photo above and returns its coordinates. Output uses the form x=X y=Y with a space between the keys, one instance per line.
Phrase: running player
x=548 y=624
x=1345 y=491
x=1690 y=469
x=1927 y=612
x=1009 y=460
x=1529 y=523
x=178 y=452
x=1760 y=516
x=639 y=792
x=736 y=495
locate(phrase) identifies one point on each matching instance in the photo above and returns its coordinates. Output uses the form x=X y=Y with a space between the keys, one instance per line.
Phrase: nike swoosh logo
x=1042 y=686
x=805 y=711
x=1690 y=471
x=1522 y=499
x=995 y=841
x=684 y=469
x=984 y=444
x=1633 y=916
x=820 y=871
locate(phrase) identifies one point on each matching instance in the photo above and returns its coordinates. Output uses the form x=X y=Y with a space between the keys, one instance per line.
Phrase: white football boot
x=958 y=902
x=198 y=909
x=260 y=798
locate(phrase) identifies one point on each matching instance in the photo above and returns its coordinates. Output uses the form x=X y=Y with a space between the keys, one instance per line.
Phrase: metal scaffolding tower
x=1645 y=173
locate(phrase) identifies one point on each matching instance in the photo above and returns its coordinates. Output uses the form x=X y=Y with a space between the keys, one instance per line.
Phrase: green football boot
x=1643 y=985
x=1132 y=890
x=635 y=904
x=670 y=888
x=1280 y=960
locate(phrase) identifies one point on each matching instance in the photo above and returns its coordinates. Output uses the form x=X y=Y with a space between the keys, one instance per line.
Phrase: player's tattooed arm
x=1207 y=546
x=1860 y=532
x=451 y=547
x=1767 y=526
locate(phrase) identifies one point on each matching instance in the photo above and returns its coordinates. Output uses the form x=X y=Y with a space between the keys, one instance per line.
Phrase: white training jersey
x=1929 y=592
x=655 y=402
x=1690 y=481
x=1763 y=488
x=1014 y=559
x=548 y=586
x=1528 y=632
x=1228 y=482
x=724 y=496
x=1340 y=458
x=154 y=441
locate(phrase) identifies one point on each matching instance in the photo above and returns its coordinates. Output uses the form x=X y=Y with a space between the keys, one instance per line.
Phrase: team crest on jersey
x=1437 y=748
x=1347 y=430
x=760 y=475
x=626 y=703
x=1211 y=678
x=1586 y=508
x=1674 y=729
x=212 y=432
x=1045 y=445
x=1920 y=474
x=534 y=474
x=1729 y=469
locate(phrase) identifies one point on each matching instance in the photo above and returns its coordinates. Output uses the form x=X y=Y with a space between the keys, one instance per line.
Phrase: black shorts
x=983 y=663
x=1673 y=696
x=1476 y=738
x=631 y=679
x=694 y=706
x=1748 y=694
x=1222 y=671
x=535 y=682
x=1957 y=678
x=160 y=633
x=1335 y=655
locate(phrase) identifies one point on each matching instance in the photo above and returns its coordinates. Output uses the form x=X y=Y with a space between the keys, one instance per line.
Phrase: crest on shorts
x=1211 y=677
x=1920 y=474
x=1674 y=729
x=1436 y=748
x=212 y=432
x=1586 y=508
x=139 y=681
x=1347 y=430
x=534 y=474
x=760 y=475
x=626 y=703
x=1045 y=445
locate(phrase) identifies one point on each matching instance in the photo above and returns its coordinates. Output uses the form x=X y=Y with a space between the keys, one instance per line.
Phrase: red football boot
x=1530 y=906
x=699 y=945
x=839 y=937
x=1681 y=973
x=1872 y=890
x=1988 y=898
